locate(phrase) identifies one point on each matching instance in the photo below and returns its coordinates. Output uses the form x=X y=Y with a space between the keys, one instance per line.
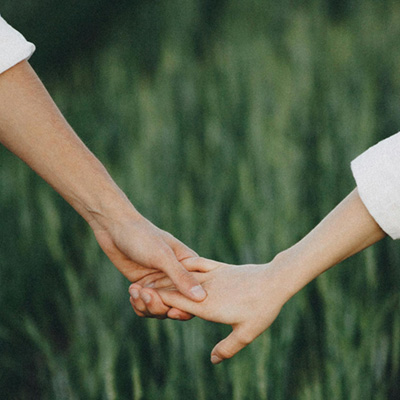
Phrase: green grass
x=233 y=129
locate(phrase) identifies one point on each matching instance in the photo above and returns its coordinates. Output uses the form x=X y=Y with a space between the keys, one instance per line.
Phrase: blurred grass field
x=232 y=125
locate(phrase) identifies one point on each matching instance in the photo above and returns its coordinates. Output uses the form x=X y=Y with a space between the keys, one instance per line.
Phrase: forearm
x=347 y=230
x=33 y=128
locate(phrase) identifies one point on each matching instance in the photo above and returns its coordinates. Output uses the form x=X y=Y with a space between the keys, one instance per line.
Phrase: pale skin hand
x=250 y=297
x=236 y=295
x=33 y=128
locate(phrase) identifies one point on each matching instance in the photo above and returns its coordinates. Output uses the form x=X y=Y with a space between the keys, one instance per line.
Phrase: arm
x=250 y=297
x=345 y=231
x=33 y=128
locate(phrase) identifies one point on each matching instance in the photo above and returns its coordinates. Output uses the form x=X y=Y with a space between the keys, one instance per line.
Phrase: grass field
x=232 y=125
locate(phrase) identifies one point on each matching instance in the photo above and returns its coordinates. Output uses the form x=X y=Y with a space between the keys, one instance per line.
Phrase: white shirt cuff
x=377 y=174
x=14 y=48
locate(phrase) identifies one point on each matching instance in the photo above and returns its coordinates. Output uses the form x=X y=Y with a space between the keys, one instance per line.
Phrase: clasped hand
x=247 y=297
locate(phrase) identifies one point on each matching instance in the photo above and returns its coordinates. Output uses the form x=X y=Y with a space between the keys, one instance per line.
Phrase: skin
x=250 y=297
x=33 y=128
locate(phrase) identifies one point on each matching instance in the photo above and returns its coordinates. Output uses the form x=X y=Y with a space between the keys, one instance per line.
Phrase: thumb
x=185 y=281
x=227 y=348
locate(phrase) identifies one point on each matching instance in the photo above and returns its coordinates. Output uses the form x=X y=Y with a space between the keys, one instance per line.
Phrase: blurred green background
x=230 y=124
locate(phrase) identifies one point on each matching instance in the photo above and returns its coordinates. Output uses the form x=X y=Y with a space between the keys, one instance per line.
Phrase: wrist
x=293 y=271
x=109 y=210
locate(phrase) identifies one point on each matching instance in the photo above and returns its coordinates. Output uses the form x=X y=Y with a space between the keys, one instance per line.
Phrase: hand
x=139 y=249
x=247 y=297
x=33 y=128
x=250 y=297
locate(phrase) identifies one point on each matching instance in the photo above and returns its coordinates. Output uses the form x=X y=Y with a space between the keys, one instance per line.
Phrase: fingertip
x=134 y=291
x=137 y=312
x=226 y=348
x=146 y=296
x=138 y=305
x=153 y=303
x=179 y=315
x=198 y=293
x=134 y=286
x=148 y=291
x=187 y=284
x=215 y=359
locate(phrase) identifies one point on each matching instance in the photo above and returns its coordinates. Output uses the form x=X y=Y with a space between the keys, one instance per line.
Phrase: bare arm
x=33 y=128
x=250 y=297
x=345 y=231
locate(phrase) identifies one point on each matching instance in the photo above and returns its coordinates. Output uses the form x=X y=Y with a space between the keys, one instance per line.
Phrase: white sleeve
x=377 y=174
x=14 y=48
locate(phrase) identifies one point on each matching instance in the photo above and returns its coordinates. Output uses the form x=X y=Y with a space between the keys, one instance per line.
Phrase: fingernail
x=146 y=297
x=150 y=285
x=198 y=292
x=134 y=293
x=215 y=359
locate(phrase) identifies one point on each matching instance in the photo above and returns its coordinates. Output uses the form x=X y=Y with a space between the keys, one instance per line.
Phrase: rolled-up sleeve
x=14 y=48
x=377 y=174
